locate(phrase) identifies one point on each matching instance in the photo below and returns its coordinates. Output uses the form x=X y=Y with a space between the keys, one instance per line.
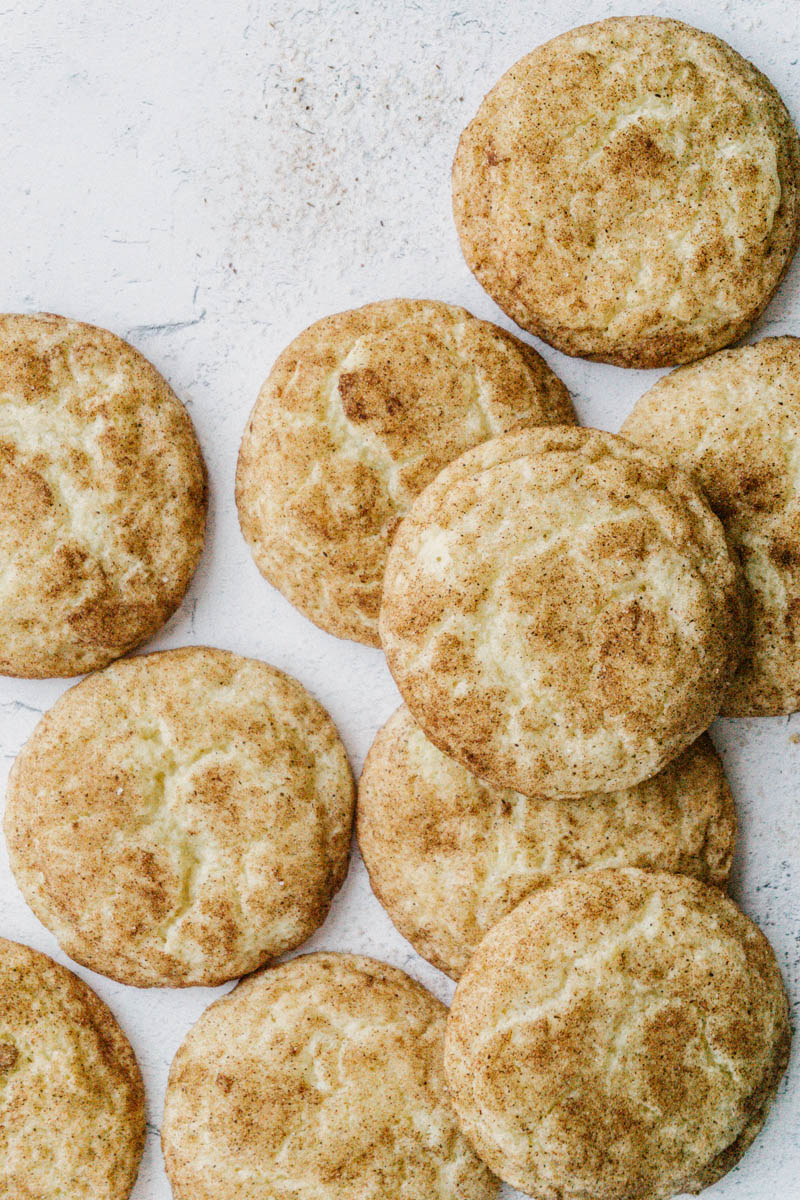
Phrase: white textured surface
x=206 y=179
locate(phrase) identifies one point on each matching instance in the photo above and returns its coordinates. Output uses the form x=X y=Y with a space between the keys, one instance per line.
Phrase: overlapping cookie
x=357 y=416
x=562 y=612
x=733 y=422
x=619 y=1034
x=449 y=855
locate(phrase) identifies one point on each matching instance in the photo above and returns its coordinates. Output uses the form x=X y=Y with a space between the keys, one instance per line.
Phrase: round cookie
x=630 y=192
x=71 y=1095
x=320 y=1079
x=620 y=1034
x=180 y=818
x=102 y=497
x=561 y=612
x=358 y=414
x=448 y=855
x=733 y=422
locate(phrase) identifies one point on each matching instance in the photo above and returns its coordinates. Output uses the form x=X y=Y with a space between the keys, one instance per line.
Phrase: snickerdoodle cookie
x=448 y=855
x=733 y=422
x=180 y=818
x=562 y=612
x=630 y=192
x=620 y=1034
x=102 y=497
x=357 y=416
x=320 y=1079
x=71 y=1095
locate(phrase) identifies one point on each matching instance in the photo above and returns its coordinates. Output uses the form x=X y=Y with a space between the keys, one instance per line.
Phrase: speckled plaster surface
x=206 y=179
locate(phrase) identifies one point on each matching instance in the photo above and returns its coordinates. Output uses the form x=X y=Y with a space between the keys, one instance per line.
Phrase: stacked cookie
x=565 y=612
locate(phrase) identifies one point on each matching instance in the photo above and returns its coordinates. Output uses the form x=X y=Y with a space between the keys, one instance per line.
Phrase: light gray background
x=206 y=178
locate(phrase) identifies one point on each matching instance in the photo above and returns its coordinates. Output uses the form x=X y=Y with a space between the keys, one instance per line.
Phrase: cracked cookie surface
x=358 y=414
x=320 y=1078
x=449 y=855
x=733 y=423
x=72 y=1120
x=630 y=192
x=620 y=1034
x=180 y=818
x=102 y=496
x=561 y=612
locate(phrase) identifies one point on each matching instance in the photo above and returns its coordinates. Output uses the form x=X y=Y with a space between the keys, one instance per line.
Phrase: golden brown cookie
x=620 y=1034
x=71 y=1095
x=733 y=422
x=357 y=416
x=448 y=855
x=180 y=818
x=320 y=1079
x=561 y=612
x=630 y=192
x=102 y=497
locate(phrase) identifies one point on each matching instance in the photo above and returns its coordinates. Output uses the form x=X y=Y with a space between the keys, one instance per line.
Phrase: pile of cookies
x=565 y=612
